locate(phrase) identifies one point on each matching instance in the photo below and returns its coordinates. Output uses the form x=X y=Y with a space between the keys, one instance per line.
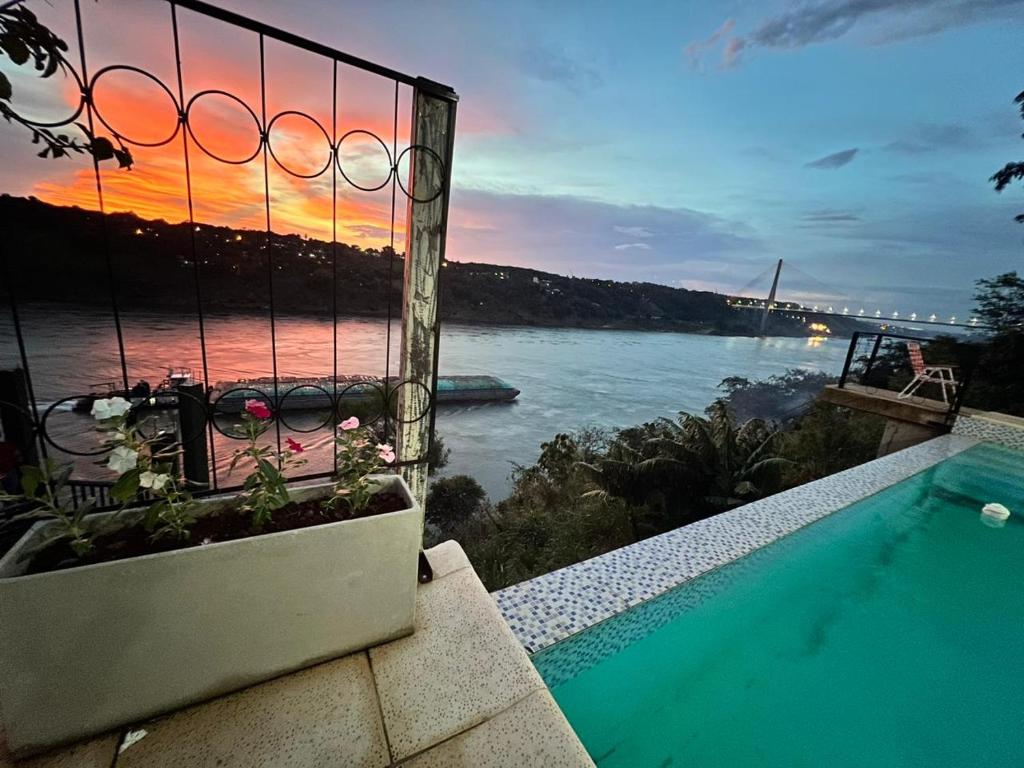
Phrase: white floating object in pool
x=994 y=515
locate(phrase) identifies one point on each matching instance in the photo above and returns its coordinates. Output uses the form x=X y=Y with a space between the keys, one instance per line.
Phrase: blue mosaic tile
x=1006 y=431
x=551 y=607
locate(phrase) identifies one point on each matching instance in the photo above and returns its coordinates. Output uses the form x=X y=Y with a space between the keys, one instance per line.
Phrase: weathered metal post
x=433 y=135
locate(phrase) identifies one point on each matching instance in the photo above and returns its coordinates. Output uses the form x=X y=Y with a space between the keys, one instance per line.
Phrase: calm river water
x=569 y=378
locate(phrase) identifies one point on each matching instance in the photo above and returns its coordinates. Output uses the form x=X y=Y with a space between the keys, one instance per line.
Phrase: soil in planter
x=227 y=525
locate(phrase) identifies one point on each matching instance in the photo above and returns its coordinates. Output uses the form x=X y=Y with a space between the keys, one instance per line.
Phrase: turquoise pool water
x=888 y=634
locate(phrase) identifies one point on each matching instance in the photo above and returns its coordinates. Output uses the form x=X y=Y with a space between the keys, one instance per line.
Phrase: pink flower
x=352 y=422
x=293 y=446
x=257 y=408
x=386 y=452
x=360 y=443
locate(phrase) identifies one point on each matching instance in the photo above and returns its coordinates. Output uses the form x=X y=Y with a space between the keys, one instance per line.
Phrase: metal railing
x=407 y=402
x=880 y=362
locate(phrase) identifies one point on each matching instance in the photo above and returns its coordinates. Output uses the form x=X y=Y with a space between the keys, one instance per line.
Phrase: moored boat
x=318 y=392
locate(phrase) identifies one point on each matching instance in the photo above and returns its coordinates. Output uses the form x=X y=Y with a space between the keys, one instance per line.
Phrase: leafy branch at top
x=24 y=39
x=1011 y=171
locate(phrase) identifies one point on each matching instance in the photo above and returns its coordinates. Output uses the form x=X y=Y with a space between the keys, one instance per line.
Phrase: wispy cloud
x=633 y=231
x=631 y=246
x=833 y=161
x=828 y=217
x=551 y=65
x=695 y=50
x=820 y=21
x=931 y=137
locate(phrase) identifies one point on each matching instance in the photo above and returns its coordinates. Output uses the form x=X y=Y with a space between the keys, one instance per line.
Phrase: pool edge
x=551 y=607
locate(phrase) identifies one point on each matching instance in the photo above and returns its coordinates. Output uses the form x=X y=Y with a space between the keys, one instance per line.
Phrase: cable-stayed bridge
x=820 y=300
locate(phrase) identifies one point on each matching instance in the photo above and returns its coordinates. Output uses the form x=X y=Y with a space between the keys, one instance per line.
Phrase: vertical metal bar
x=99 y=199
x=22 y=349
x=391 y=262
x=334 y=253
x=849 y=359
x=269 y=249
x=197 y=282
x=961 y=390
x=424 y=251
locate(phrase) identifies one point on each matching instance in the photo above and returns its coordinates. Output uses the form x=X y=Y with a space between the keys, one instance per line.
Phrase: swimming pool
x=890 y=633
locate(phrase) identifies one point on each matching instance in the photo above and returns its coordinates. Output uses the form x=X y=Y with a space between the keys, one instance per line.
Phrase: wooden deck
x=882 y=402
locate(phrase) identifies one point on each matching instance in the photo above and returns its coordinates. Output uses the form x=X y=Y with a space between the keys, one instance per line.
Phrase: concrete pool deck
x=554 y=606
x=460 y=691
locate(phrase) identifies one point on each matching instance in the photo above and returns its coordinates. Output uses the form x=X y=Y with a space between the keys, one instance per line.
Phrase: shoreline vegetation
x=61 y=258
x=593 y=490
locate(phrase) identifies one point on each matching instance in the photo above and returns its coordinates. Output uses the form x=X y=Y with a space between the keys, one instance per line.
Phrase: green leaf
x=14 y=48
x=270 y=471
x=31 y=477
x=152 y=516
x=126 y=487
x=102 y=149
x=124 y=158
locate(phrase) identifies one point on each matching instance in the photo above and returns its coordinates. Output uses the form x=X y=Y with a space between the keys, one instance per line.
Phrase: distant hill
x=57 y=254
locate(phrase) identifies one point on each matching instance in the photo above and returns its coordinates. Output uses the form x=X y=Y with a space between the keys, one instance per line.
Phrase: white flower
x=110 y=408
x=122 y=459
x=153 y=480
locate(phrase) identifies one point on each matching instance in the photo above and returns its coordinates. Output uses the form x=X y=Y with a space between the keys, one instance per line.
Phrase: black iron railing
x=881 y=363
x=198 y=412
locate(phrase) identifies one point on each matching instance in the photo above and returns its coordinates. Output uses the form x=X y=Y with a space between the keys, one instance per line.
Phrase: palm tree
x=738 y=461
x=673 y=463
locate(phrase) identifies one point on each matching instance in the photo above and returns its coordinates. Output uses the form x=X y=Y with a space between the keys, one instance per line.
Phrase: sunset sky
x=686 y=143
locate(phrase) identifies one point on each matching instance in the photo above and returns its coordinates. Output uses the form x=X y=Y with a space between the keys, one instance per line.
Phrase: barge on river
x=316 y=393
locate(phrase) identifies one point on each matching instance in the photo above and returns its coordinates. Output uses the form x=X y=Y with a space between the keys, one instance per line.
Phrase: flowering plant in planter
x=141 y=463
x=358 y=458
x=265 y=489
x=168 y=512
x=146 y=465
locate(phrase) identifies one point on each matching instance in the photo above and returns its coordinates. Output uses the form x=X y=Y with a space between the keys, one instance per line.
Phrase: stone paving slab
x=511 y=740
x=461 y=666
x=326 y=716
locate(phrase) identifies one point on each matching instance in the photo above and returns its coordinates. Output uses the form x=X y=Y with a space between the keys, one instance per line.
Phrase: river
x=569 y=378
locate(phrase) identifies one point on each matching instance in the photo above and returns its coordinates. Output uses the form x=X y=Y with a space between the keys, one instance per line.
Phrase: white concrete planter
x=86 y=649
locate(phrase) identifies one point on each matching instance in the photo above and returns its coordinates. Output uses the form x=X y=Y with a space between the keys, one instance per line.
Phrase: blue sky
x=694 y=143
x=622 y=139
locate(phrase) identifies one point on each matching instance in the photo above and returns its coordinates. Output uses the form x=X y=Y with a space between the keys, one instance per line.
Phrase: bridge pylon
x=771 y=299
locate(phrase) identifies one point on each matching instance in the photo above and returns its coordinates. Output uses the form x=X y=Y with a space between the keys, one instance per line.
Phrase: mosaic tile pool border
x=551 y=607
x=1005 y=430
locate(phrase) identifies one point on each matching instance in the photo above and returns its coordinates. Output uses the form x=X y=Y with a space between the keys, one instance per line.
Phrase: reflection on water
x=569 y=378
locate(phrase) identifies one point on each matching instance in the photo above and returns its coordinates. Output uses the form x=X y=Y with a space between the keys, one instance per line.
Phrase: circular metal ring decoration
x=237 y=408
x=285 y=168
x=341 y=166
x=66 y=68
x=230 y=161
x=320 y=394
x=411 y=383
x=360 y=388
x=440 y=171
x=73 y=399
x=147 y=75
